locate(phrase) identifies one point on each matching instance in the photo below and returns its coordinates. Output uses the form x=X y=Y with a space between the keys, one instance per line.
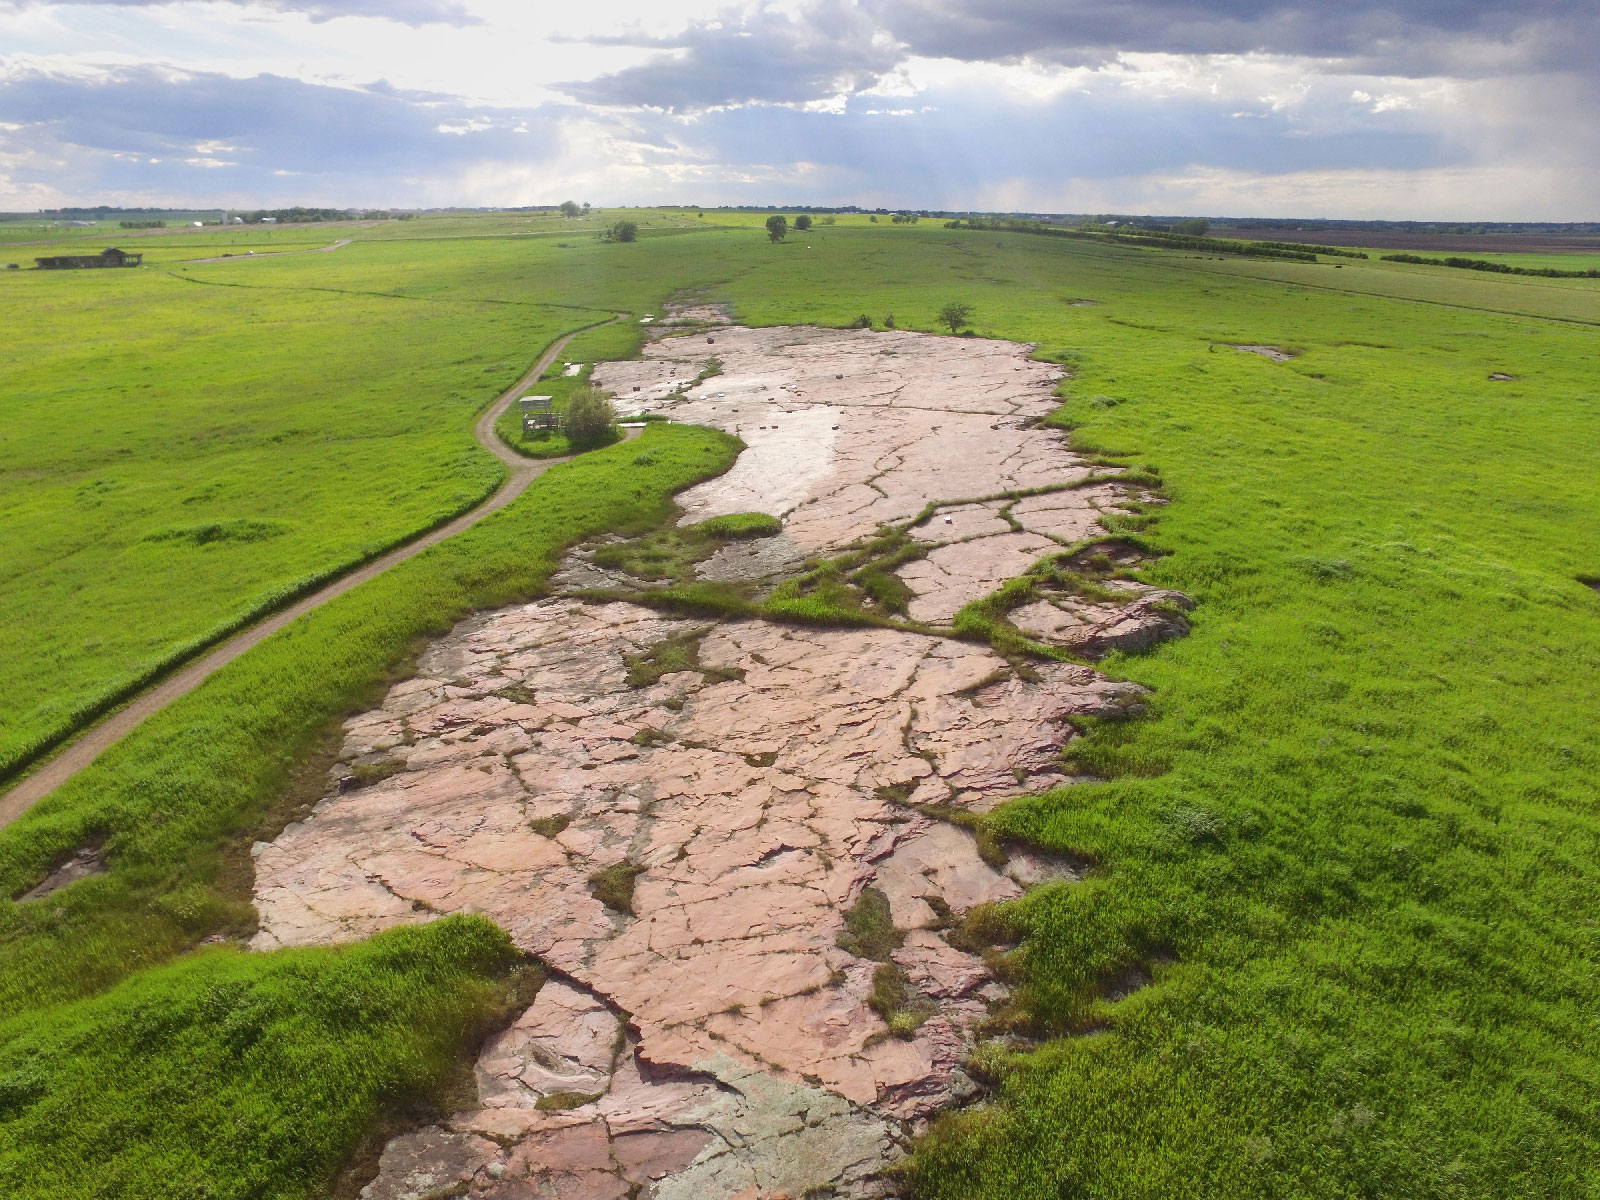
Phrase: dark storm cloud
x=405 y=12
x=250 y=134
x=1404 y=37
x=947 y=152
x=760 y=56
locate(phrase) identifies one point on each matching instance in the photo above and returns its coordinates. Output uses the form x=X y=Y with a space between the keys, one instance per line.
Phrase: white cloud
x=1055 y=104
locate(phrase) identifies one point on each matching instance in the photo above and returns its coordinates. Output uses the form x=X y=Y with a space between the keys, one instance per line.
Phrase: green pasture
x=177 y=458
x=229 y=1074
x=1352 y=848
x=250 y=427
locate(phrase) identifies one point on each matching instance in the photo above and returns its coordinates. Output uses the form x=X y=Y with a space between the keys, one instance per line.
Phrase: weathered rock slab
x=850 y=429
x=752 y=804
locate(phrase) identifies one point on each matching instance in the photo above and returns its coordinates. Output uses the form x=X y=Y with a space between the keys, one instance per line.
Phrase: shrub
x=589 y=417
x=802 y=222
x=777 y=228
x=955 y=314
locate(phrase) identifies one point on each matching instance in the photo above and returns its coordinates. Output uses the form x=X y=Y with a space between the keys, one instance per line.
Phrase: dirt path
x=79 y=753
x=270 y=253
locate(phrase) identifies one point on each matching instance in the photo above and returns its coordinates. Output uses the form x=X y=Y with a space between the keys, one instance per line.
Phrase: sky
x=1459 y=110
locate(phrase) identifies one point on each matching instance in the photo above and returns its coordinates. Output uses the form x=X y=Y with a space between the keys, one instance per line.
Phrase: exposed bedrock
x=849 y=430
x=748 y=803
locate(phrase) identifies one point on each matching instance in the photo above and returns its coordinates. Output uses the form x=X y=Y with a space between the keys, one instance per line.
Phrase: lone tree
x=777 y=228
x=1194 y=227
x=955 y=314
x=624 y=231
x=589 y=417
x=570 y=209
x=802 y=222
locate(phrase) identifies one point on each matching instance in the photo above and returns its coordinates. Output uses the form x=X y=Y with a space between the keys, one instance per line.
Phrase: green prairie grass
x=233 y=1075
x=1353 y=846
x=138 y=406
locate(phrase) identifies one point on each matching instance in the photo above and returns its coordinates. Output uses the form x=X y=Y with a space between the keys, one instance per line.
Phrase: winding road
x=84 y=749
x=269 y=253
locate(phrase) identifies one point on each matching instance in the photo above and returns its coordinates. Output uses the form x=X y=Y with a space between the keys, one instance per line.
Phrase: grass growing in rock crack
x=894 y=999
x=672 y=552
x=613 y=886
x=1078 y=571
x=869 y=930
x=680 y=652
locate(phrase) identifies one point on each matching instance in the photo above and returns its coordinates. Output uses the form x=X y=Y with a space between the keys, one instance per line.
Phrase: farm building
x=106 y=258
x=538 y=414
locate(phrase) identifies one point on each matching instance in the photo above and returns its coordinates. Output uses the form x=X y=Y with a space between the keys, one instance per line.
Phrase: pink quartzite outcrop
x=683 y=848
x=755 y=807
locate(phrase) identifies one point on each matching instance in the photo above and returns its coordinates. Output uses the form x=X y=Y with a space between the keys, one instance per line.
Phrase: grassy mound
x=230 y=1076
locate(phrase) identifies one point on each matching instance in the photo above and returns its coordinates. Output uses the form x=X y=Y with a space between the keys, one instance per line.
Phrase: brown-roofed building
x=106 y=258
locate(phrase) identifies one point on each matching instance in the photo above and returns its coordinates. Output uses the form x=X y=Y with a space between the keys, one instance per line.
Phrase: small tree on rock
x=570 y=209
x=589 y=417
x=802 y=222
x=955 y=314
x=777 y=228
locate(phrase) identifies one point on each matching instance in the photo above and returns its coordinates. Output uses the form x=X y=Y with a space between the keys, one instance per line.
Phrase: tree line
x=1500 y=268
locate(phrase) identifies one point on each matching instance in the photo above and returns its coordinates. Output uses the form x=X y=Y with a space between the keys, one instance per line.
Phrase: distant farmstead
x=106 y=258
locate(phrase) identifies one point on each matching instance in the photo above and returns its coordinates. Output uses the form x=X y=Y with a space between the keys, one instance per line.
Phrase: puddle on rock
x=850 y=430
